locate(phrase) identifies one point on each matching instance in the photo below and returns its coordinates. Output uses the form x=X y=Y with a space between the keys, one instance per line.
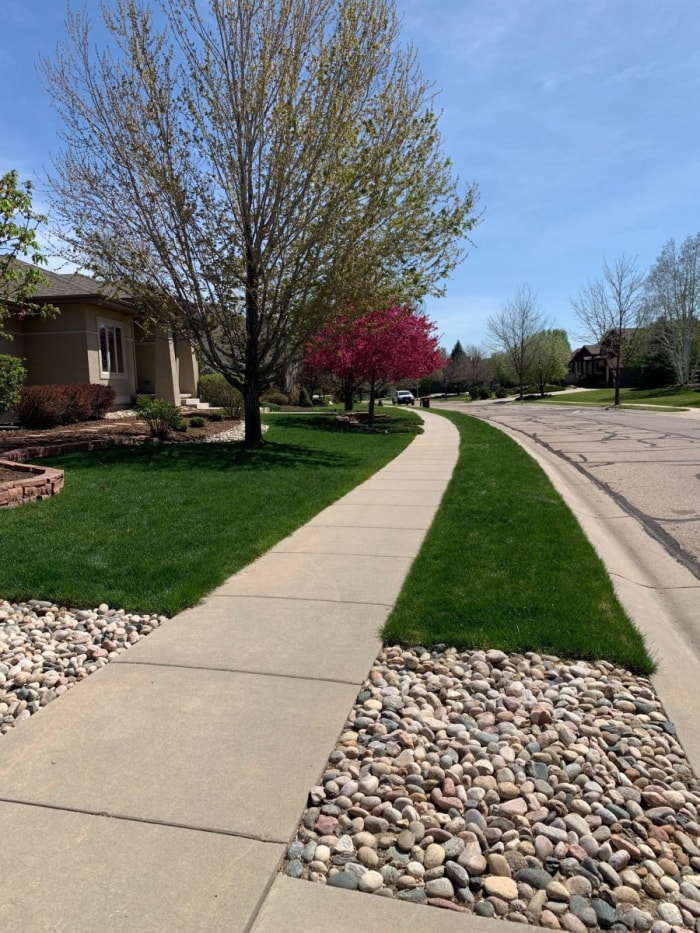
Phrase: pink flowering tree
x=376 y=348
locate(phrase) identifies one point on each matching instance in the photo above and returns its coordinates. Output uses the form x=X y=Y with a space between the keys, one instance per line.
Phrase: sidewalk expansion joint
x=302 y=599
x=103 y=814
x=238 y=670
x=390 y=557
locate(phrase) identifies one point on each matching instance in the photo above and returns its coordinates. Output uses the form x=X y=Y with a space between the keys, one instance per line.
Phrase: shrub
x=51 y=405
x=197 y=422
x=304 y=398
x=101 y=398
x=161 y=417
x=216 y=416
x=274 y=397
x=473 y=393
x=501 y=392
x=213 y=388
x=41 y=406
x=484 y=392
x=12 y=376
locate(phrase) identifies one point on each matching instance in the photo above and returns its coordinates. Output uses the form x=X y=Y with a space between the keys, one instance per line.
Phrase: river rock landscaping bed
x=521 y=787
x=46 y=649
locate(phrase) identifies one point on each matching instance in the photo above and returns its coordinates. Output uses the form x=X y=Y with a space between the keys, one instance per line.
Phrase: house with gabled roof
x=594 y=365
x=98 y=339
x=587 y=365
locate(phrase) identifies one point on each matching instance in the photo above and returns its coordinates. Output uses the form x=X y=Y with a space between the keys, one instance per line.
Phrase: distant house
x=99 y=339
x=587 y=366
x=593 y=365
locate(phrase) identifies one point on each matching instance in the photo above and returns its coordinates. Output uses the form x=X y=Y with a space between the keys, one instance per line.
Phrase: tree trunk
x=348 y=390
x=253 y=423
x=370 y=420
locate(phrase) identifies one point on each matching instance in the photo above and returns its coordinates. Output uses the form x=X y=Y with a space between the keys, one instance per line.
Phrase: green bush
x=274 y=397
x=304 y=398
x=213 y=388
x=197 y=422
x=501 y=392
x=217 y=416
x=484 y=392
x=12 y=376
x=161 y=417
x=473 y=393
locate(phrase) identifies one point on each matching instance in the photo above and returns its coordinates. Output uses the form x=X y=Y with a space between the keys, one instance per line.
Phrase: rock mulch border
x=521 y=787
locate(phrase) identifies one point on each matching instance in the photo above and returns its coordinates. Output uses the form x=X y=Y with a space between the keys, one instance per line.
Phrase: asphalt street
x=649 y=462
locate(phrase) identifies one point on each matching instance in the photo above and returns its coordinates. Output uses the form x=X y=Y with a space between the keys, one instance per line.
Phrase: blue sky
x=578 y=119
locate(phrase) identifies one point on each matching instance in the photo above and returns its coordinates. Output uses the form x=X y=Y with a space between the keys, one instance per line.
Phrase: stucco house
x=98 y=339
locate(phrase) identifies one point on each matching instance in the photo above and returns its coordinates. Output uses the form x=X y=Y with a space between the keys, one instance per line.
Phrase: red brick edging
x=40 y=483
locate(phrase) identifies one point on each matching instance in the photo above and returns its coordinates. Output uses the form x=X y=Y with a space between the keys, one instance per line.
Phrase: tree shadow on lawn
x=219 y=457
x=234 y=455
x=664 y=392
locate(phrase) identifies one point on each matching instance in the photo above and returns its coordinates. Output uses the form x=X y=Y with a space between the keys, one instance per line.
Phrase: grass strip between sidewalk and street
x=669 y=397
x=154 y=528
x=506 y=565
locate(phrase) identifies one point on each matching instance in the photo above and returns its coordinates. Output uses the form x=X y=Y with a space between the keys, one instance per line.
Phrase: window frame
x=114 y=349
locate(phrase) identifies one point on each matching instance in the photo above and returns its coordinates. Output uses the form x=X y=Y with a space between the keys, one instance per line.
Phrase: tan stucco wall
x=144 y=352
x=55 y=348
x=65 y=349
x=14 y=347
x=188 y=367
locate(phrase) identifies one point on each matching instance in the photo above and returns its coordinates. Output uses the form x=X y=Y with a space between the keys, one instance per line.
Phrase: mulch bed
x=113 y=430
x=9 y=476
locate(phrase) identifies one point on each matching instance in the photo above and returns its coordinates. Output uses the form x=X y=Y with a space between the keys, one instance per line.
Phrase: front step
x=189 y=401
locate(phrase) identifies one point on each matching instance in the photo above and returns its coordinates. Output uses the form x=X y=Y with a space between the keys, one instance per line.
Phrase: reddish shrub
x=101 y=397
x=41 y=406
x=50 y=405
x=78 y=404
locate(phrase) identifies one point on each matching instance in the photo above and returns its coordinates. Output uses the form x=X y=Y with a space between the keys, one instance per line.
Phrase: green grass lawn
x=154 y=528
x=505 y=565
x=669 y=396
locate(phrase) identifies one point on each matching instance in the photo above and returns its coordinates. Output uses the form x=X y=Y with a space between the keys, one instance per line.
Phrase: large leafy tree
x=550 y=360
x=247 y=168
x=377 y=347
x=20 y=252
x=613 y=312
x=673 y=300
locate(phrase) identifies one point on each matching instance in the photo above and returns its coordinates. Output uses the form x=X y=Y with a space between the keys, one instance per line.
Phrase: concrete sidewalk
x=161 y=794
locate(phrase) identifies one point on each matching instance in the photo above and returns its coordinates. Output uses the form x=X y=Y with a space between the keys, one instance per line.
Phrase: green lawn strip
x=670 y=397
x=505 y=565
x=156 y=527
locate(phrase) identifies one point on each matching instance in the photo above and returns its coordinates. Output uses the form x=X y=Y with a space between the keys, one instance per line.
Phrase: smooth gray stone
x=343 y=880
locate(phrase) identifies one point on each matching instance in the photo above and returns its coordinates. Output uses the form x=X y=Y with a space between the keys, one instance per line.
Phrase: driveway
x=649 y=462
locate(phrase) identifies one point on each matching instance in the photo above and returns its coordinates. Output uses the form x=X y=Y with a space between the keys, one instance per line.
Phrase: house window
x=111 y=349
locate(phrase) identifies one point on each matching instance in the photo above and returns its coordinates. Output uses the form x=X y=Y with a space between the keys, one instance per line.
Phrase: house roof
x=588 y=349
x=62 y=285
